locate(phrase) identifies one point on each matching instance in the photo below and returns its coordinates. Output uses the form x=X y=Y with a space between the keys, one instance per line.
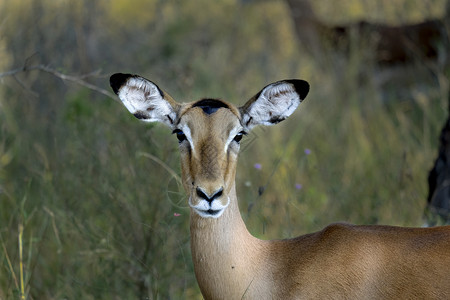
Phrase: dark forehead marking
x=210 y=106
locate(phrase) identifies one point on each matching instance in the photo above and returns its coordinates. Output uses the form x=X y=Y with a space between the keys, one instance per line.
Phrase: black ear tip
x=301 y=87
x=118 y=80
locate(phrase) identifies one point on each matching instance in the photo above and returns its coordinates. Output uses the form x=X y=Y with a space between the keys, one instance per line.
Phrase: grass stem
x=22 y=286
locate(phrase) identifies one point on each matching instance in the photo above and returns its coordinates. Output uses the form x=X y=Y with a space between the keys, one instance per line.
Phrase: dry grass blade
x=22 y=285
x=13 y=274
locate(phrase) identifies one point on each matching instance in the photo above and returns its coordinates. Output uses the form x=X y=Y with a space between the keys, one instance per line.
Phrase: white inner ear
x=275 y=103
x=142 y=97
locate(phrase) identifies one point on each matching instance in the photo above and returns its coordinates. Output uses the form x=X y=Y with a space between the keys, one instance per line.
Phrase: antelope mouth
x=207 y=210
x=210 y=213
x=213 y=212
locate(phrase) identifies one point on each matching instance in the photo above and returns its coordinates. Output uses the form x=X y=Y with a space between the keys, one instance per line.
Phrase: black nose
x=209 y=198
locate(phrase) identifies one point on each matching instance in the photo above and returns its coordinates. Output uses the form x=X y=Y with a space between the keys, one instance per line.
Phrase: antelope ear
x=274 y=103
x=144 y=99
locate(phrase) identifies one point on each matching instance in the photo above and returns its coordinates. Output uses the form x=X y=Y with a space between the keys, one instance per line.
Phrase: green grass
x=98 y=209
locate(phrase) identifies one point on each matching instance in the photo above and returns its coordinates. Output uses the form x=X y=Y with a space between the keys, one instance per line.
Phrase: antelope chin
x=209 y=213
x=206 y=210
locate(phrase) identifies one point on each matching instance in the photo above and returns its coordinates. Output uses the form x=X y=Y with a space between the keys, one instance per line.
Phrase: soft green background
x=94 y=188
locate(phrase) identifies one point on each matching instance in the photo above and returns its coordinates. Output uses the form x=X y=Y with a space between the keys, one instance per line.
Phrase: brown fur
x=339 y=262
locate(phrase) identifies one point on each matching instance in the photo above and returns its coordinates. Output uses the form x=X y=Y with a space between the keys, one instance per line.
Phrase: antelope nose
x=210 y=198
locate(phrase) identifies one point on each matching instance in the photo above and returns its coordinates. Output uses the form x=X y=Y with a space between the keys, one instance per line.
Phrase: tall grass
x=358 y=154
x=93 y=195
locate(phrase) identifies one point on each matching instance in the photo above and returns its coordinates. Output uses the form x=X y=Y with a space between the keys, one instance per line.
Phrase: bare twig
x=76 y=79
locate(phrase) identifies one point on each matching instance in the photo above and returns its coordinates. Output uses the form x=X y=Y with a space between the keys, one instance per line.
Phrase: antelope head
x=209 y=131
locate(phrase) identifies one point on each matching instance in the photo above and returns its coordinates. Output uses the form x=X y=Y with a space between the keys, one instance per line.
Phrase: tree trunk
x=438 y=208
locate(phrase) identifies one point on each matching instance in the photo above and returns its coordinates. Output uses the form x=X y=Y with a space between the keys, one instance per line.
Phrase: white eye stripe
x=231 y=136
x=187 y=132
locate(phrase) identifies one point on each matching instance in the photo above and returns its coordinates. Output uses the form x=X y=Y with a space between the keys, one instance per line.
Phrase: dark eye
x=180 y=135
x=239 y=136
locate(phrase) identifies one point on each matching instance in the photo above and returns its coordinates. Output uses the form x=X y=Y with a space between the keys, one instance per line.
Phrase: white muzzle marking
x=206 y=210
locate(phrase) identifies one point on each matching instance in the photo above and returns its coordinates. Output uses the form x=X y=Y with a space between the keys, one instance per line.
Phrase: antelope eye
x=239 y=136
x=180 y=135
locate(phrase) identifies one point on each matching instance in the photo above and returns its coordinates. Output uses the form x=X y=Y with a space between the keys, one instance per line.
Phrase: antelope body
x=339 y=262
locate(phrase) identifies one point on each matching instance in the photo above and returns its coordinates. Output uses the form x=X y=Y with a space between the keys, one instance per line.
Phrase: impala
x=341 y=261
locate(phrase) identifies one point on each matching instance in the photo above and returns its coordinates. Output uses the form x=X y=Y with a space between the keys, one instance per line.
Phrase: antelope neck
x=228 y=228
x=224 y=253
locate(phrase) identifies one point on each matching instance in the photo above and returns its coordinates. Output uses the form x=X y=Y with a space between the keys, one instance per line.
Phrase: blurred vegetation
x=88 y=183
